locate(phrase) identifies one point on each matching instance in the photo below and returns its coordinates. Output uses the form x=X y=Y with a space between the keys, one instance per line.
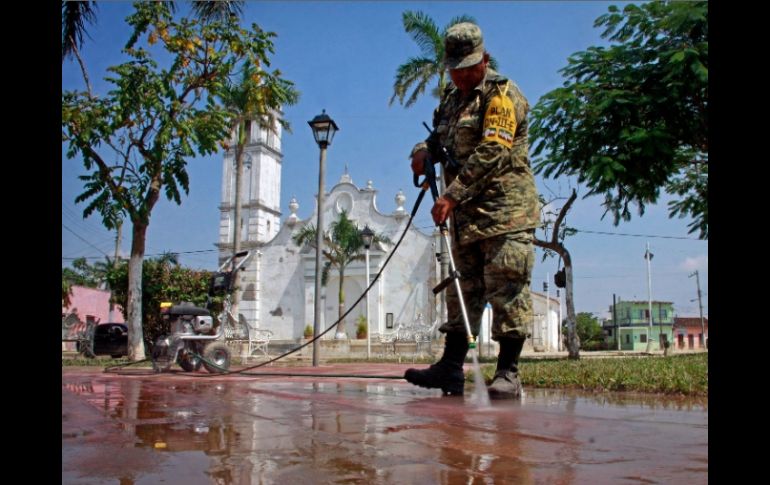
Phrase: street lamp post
x=648 y=256
x=367 y=235
x=700 y=309
x=324 y=129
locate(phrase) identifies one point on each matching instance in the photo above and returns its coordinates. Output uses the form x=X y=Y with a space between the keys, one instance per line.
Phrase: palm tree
x=343 y=244
x=257 y=97
x=419 y=71
x=66 y=293
x=217 y=10
x=74 y=16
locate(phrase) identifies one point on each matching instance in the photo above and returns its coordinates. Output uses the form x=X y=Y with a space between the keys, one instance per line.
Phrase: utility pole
x=615 y=321
x=700 y=309
x=111 y=315
x=648 y=256
x=660 y=326
x=547 y=309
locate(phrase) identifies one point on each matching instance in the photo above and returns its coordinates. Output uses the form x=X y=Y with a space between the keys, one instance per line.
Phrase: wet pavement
x=144 y=428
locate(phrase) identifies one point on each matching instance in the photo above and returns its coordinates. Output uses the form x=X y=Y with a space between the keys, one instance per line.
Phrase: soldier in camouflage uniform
x=482 y=123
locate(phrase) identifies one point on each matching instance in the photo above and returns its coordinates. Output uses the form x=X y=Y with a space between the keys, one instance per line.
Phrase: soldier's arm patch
x=500 y=120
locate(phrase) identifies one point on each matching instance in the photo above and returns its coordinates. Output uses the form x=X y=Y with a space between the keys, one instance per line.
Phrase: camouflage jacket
x=487 y=136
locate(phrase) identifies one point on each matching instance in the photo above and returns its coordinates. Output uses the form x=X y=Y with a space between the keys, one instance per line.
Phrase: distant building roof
x=690 y=322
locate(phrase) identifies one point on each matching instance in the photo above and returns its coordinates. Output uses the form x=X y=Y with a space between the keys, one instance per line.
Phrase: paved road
x=174 y=428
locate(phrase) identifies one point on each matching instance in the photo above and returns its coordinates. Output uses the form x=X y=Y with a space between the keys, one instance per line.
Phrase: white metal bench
x=244 y=340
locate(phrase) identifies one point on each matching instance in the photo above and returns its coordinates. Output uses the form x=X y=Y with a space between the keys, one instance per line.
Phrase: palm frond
x=420 y=88
x=306 y=235
x=325 y=273
x=424 y=32
x=416 y=69
x=458 y=20
x=217 y=10
x=493 y=63
x=74 y=16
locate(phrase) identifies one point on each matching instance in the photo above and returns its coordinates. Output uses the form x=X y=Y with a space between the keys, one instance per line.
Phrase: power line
x=150 y=255
x=87 y=242
x=80 y=223
x=639 y=235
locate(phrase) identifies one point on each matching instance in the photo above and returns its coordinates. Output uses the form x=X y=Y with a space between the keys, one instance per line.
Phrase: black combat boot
x=506 y=384
x=447 y=373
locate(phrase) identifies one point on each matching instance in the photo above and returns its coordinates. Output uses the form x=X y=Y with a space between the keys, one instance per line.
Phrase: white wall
x=286 y=280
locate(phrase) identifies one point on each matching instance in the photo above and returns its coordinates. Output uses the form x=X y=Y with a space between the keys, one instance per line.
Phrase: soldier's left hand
x=441 y=209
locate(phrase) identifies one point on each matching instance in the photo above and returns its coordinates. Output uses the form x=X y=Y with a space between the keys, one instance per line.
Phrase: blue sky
x=343 y=56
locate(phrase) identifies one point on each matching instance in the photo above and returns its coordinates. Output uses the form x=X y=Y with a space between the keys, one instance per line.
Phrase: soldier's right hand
x=418 y=161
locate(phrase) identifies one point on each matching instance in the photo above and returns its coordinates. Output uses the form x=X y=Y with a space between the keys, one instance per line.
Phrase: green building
x=632 y=326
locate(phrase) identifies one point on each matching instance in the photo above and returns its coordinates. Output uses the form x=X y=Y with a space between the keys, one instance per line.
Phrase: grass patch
x=679 y=374
x=425 y=359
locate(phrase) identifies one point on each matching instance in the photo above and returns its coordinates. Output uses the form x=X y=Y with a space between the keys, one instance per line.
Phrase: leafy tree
x=66 y=293
x=75 y=14
x=246 y=101
x=589 y=330
x=83 y=274
x=417 y=72
x=163 y=279
x=137 y=138
x=632 y=119
x=343 y=244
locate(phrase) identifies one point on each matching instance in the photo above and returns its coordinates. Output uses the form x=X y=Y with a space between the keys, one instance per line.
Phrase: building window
x=389 y=320
x=643 y=338
x=664 y=314
x=628 y=339
x=609 y=332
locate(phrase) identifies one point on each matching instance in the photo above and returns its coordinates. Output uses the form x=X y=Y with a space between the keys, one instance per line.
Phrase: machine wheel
x=219 y=354
x=87 y=350
x=160 y=358
x=189 y=363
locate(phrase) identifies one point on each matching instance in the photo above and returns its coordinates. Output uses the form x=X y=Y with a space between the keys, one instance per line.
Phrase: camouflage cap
x=463 y=46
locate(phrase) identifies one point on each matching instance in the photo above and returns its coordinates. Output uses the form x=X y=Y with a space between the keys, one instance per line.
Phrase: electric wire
x=332 y=326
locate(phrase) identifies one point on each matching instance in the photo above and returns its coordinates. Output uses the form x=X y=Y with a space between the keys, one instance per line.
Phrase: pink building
x=687 y=332
x=92 y=304
x=89 y=305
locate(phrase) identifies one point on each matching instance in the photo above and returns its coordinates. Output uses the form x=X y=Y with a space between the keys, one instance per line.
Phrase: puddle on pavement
x=284 y=430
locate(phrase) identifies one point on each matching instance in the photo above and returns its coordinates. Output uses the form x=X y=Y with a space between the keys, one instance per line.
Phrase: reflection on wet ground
x=167 y=428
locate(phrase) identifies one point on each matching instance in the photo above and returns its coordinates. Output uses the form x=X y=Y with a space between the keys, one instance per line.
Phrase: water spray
x=429 y=182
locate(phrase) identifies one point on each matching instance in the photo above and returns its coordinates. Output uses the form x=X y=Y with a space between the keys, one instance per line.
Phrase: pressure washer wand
x=429 y=181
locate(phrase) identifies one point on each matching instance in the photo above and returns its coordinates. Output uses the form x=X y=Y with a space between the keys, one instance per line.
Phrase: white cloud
x=700 y=262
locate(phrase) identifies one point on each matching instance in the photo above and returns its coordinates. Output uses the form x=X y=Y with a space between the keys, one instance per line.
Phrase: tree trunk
x=135 y=332
x=341 y=326
x=237 y=214
x=573 y=341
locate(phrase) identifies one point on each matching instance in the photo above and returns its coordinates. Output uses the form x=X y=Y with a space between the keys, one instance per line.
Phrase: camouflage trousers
x=497 y=270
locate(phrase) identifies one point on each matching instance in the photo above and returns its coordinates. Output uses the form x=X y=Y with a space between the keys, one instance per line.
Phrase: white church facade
x=278 y=284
